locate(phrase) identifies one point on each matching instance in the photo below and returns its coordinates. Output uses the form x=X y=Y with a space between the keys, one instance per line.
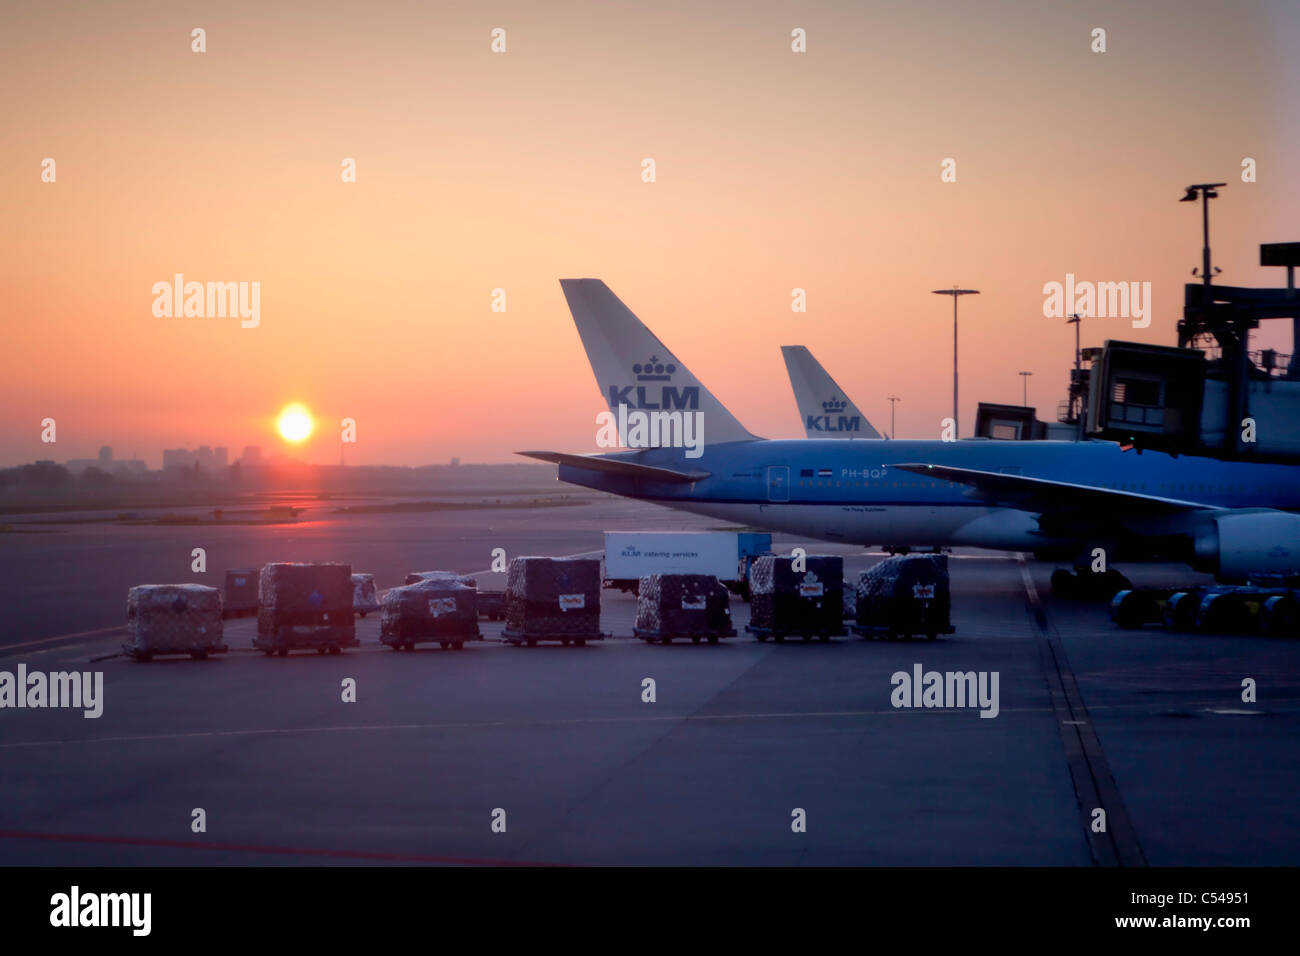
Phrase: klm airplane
x=824 y=410
x=1058 y=500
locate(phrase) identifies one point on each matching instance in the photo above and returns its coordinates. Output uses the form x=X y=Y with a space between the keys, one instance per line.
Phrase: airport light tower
x=1205 y=192
x=1076 y=380
x=1024 y=379
x=955 y=292
x=893 y=403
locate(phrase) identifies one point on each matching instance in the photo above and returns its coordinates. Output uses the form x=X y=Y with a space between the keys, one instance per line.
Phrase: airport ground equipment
x=904 y=595
x=694 y=606
x=1086 y=584
x=805 y=603
x=1222 y=609
x=173 y=619
x=552 y=599
x=435 y=609
x=305 y=607
x=364 y=598
x=492 y=605
x=725 y=555
x=241 y=593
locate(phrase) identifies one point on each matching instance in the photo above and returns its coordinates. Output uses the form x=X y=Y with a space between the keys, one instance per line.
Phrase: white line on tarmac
x=63 y=637
x=471 y=725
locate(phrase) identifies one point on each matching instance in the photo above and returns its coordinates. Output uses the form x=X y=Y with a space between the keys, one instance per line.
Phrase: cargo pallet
x=514 y=637
x=763 y=633
x=893 y=633
x=198 y=655
x=696 y=636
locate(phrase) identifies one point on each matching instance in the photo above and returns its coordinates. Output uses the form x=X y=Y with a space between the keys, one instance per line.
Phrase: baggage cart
x=241 y=593
x=905 y=595
x=807 y=603
x=364 y=597
x=173 y=619
x=492 y=605
x=695 y=606
x=442 y=610
x=553 y=599
x=305 y=607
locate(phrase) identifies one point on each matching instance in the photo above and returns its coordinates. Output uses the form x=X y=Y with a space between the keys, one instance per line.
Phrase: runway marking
x=63 y=637
x=470 y=725
x=1094 y=784
x=260 y=848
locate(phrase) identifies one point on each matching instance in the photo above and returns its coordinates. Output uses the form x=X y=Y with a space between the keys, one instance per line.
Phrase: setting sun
x=295 y=423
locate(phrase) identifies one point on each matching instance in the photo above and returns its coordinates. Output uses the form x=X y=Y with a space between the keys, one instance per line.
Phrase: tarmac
x=750 y=754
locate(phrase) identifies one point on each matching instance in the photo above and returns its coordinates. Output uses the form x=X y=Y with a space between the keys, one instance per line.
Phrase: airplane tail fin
x=636 y=370
x=824 y=410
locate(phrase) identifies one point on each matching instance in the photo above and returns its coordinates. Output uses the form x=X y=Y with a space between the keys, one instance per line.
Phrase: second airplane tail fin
x=824 y=410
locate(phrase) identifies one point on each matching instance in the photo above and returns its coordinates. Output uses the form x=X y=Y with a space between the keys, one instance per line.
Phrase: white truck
x=724 y=554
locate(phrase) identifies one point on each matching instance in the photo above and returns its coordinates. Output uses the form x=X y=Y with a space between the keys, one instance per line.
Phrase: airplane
x=1056 y=499
x=824 y=409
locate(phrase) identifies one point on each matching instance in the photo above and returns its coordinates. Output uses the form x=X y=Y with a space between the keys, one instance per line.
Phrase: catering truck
x=727 y=555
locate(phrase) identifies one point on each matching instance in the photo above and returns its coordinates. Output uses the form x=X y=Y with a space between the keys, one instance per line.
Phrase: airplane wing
x=1042 y=495
x=615 y=466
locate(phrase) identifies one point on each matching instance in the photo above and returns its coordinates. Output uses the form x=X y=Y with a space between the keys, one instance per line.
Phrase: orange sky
x=479 y=170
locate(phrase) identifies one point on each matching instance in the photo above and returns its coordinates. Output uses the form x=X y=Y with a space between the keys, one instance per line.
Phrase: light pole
x=955 y=292
x=1076 y=384
x=1204 y=192
x=893 y=402
x=1024 y=378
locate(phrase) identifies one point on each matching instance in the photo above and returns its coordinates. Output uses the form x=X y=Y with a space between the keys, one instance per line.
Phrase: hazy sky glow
x=478 y=170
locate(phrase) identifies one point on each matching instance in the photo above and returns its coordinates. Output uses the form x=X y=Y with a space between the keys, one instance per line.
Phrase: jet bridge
x=1211 y=395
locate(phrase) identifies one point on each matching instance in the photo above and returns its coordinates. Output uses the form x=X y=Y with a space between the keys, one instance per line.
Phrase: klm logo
x=831 y=420
x=650 y=396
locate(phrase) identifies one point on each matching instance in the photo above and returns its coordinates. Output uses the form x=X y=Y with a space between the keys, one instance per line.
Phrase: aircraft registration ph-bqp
x=1056 y=499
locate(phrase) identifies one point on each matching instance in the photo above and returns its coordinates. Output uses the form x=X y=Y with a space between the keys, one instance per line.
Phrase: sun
x=295 y=423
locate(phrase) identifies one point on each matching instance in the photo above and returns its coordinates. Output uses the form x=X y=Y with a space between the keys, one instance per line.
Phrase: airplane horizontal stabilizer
x=616 y=466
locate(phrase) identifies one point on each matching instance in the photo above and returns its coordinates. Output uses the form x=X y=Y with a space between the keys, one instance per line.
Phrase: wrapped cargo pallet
x=305 y=606
x=364 y=599
x=173 y=619
x=241 y=593
x=785 y=602
x=553 y=599
x=682 y=605
x=850 y=601
x=430 y=610
x=905 y=595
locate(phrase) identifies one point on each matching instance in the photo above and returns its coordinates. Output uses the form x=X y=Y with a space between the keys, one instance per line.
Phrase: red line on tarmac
x=255 y=848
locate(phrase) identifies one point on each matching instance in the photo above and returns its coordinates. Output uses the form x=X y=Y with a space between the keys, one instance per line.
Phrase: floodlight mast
x=955 y=292
x=1205 y=192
